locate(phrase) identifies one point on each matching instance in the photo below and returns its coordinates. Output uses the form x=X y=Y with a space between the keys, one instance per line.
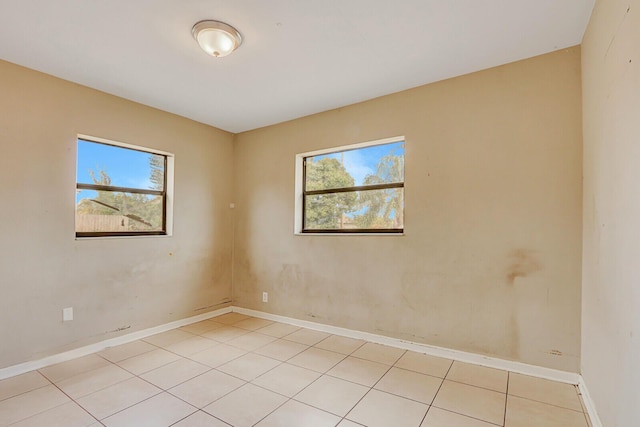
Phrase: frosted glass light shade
x=216 y=38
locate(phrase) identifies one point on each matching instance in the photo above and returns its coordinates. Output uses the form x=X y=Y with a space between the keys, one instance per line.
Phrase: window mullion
x=113 y=189
x=358 y=188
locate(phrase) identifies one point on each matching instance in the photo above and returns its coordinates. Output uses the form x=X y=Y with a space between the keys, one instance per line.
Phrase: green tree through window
x=339 y=196
x=328 y=211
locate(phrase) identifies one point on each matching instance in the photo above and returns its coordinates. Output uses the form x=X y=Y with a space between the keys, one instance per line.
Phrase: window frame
x=301 y=193
x=166 y=193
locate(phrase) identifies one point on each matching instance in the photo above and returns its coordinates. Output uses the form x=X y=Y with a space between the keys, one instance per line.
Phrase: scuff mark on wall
x=245 y=278
x=223 y=302
x=120 y=329
x=617 y=31
x=221 y=268
x=408 y=337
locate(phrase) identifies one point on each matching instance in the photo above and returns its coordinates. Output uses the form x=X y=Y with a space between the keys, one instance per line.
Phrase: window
x=351 y=189
x=122 y=190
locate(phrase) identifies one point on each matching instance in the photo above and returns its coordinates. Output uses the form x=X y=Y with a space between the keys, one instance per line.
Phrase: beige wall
x=119 y=283
x=490 y=259
x=611 y=255
x=490 y=262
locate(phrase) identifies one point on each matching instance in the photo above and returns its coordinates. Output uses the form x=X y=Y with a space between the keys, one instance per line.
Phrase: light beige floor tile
x=379 y=353
x=191 y=346
x=169 y=337
x=206 y=388
x=202 y=327
x=317 y=359
x=437 y=417
x=160 y=410
x=92 y=381
x=66 y=415
x=332 y=394
x=306 y=336
x=230 y=318
x=529 y=413
x=295 y=413
x=346 y=423
x=287 y=379
x=379 y=409
x=225 y=333
x=253 y=323
x=217 y=355
x=64 y=370
x=125 y=351
x=479 y=376
x=359 y=371
x=340 y=344
x=545 y=391
x=117 y=397
x=424 y=363
x=410 y=384
x=30 y=403
x=475 y=402
x=148 y=361
x=251 y=341
x=174 y=373
x=278 y=330
x=200 y=419
x=282 y=349
x=245 y=406
x=249 y=366
x=19 y=384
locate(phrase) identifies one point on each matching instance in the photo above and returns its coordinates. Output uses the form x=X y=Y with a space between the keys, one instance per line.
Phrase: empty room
x=320 y=213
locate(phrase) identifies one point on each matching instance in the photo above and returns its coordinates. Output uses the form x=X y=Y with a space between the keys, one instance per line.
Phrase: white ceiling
x=298 y=56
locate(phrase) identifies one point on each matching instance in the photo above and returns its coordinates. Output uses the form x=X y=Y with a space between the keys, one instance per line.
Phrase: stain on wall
x=522 y=263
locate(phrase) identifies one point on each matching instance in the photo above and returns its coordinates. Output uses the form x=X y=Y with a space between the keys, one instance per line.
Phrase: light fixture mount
x=216 y=38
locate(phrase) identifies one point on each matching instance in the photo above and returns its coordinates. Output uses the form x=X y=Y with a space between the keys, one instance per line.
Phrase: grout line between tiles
x=506 y=400
x=28 y=391
x=437 y=391
x=123 y=409
x=370 y=388
x=467 y=416
x=547 y=403
x=74 y=401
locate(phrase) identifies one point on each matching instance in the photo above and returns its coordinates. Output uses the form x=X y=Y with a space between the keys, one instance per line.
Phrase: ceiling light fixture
x=216 y=38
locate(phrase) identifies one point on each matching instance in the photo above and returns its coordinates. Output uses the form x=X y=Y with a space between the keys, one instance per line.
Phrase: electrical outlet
x=265 y=297
x=67 y=314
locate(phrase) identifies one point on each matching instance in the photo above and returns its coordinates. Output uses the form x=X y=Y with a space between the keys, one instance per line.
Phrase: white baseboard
x=22 y=368
x=589 y=405
x=462 y=356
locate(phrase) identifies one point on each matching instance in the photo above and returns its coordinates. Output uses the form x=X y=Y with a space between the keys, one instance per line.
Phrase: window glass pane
x=110 y=211
x=121 y=167
x=377 y=164
x=370 y=209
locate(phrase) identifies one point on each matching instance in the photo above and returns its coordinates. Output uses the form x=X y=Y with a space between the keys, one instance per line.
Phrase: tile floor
x=242 y=371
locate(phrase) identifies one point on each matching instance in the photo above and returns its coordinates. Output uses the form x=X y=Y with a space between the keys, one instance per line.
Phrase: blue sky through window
x=126 y=167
